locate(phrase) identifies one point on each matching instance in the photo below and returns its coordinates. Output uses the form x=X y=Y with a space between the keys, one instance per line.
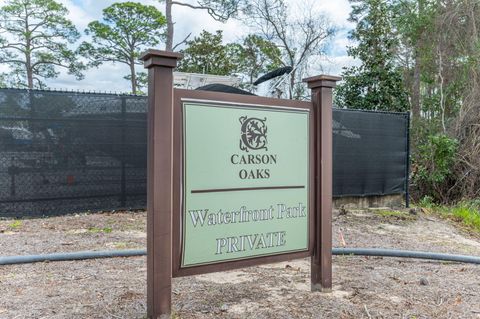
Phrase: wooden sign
x=246 y=181
x=234 y=181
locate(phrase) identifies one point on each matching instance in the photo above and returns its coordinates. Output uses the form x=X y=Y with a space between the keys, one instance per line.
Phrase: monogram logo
x=253 y=133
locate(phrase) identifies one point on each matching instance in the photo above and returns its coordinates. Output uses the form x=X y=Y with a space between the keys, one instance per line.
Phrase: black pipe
x=81 y=255
x=380 y=252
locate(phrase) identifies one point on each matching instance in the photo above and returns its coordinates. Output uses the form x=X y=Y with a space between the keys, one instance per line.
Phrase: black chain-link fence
x=64 y=152
x=370 y=153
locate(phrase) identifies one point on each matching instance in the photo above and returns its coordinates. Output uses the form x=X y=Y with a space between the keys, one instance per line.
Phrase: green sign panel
x=246 y=182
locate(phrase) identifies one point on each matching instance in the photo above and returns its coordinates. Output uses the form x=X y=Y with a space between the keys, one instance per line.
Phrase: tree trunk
x=133 y=76
x=475 y=37
x=416 y=90
x=291 y=86
x=28 y=56
x=442 y=95
x=416 y=108
x=28 y=66
x=168 y=14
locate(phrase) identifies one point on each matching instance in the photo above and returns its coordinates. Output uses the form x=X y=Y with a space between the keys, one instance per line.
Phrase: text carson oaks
x=259 y=173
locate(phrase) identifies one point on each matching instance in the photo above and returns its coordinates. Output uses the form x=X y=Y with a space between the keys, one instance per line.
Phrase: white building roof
x=192 y=81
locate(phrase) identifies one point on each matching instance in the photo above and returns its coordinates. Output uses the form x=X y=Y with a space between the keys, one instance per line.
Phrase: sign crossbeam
x=219 y=190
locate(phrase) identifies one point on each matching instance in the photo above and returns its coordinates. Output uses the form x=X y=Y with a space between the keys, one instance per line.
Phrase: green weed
x=427 y=202
x=120 y=245
x=15 y=225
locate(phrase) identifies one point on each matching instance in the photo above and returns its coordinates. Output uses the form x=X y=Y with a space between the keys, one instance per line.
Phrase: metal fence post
x=123 y=199
x=160 y=66
x=407 y=165
x=322 y=101
x=12 y=170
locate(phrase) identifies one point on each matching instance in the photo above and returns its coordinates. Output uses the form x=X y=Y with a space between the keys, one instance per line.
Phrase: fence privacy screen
x=63 y=152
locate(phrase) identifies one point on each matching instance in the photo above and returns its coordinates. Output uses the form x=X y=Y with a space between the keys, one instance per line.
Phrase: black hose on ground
x=379 y=252
x=79 y=255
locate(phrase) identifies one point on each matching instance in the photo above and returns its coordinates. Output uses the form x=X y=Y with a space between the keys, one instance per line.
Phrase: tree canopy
x=37 y=45
x=247 y=59
x=207 y=54
x=258 y=56
x=127 y=29
x=376 y=84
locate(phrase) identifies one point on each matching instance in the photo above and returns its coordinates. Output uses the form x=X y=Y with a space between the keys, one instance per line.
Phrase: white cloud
x=334 y=65
x=78 y=15
x=107 y=78
x=337 y=11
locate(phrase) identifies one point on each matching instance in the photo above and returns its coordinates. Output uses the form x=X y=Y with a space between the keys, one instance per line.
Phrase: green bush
x=433 y=163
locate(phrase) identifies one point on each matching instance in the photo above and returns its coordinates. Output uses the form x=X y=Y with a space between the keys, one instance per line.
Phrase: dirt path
x=363 y=287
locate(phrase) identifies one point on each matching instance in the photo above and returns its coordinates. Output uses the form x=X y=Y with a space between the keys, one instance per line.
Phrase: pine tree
x=377 y=83
x=35 y=40
x=207 y=54
x=127 y=30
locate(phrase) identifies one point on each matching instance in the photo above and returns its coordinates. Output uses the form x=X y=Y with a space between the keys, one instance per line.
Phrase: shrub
x=433 y=166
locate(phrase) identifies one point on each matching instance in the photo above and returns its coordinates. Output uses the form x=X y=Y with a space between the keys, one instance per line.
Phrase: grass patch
x=469 y=215
x=395 y=214
x=466 y=213
x=15 y=225
x=124 y=245
x=133 y=225
x=95 y=230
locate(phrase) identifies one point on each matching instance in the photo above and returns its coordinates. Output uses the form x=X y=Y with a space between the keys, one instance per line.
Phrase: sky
x=109 y=77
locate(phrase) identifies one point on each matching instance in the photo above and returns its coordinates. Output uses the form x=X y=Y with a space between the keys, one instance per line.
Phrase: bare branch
x=12 y=61
x=190 y=5
x=181 y=42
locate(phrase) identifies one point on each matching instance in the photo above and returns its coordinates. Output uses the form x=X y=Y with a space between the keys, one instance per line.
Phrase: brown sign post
x=175 y=119
x=321 y=264
x=159 y=181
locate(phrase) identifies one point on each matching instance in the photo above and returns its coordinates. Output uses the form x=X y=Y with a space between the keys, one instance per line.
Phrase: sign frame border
x=222 y=104
x=215 y=98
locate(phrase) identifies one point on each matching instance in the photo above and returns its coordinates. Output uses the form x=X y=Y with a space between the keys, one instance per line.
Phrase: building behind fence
x=64 y=152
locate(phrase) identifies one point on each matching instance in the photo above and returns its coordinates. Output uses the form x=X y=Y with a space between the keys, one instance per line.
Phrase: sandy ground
x=363 y=287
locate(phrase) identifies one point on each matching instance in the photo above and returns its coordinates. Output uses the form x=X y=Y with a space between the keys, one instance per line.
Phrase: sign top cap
x=154 y=57
x=322 y=81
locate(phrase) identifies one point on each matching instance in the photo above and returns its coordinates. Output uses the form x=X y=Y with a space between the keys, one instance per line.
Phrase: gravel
x=363 y=287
